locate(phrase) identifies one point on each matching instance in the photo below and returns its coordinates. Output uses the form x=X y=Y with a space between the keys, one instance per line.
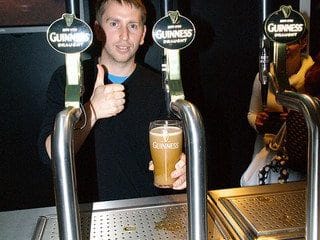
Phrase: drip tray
x=265 y=212
x=269 y=214
x=144 y=223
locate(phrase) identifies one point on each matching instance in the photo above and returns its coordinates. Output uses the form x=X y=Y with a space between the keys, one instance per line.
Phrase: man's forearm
x=82 y=129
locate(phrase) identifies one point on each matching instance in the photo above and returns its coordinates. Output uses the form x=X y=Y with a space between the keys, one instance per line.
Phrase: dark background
x=218 y=71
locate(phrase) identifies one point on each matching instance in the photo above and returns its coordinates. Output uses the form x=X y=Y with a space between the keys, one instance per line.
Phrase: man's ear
x=99 y=33
x=143 y=35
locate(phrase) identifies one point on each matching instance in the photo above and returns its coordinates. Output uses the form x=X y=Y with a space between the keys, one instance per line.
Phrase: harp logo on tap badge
x=285 y=25
x=173 y=31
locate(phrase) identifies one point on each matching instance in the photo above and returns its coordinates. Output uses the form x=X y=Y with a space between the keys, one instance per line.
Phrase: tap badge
x=69 y=34
x=285 y=25
x=173 y=31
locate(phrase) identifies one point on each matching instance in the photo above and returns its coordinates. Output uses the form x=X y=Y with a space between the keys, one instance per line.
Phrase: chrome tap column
x=64 y=175
x=311 y=110
x=165 y=33
x=274 y=29
x=196 y=156
x=62 y=139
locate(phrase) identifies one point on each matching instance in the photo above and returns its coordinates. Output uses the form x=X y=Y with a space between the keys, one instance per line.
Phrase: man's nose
x=124 y=33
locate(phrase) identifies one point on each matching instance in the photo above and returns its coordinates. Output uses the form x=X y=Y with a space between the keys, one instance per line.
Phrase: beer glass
x=165 y=139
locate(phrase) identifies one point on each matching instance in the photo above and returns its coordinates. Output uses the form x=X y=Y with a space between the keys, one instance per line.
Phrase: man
x=119 y=106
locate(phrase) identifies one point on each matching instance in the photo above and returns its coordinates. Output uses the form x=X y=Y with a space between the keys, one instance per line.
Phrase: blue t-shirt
x=117 y=79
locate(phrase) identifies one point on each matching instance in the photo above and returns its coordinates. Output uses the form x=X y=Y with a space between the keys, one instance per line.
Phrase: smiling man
x=121 y=98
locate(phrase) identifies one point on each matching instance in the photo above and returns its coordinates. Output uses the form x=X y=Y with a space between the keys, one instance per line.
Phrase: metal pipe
x=310 y=108
x=64 y=175
x=166 y=5
x=71 y=6
x=196 y=175
x=264 y=9
x=305 y=9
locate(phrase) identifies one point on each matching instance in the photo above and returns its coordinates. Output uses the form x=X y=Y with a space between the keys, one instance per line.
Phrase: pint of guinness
x=165 y=138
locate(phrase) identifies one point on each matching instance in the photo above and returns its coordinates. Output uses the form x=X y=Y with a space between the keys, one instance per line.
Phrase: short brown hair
x=136 y=3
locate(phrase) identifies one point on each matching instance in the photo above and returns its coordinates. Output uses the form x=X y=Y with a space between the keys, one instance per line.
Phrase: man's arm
x=106 y=101
x=82 y=129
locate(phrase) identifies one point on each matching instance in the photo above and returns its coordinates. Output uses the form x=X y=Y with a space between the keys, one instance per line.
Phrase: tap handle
x=264 y=69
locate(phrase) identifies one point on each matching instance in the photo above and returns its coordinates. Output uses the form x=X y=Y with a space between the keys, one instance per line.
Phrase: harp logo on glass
x=173 y=31
x=285 y=25
x=69 y=35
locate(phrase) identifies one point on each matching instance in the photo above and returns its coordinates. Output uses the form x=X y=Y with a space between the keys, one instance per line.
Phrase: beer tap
x=62 y=138
x=264 y=60
x=308 y=106
x=264 y=69
x=163 y=34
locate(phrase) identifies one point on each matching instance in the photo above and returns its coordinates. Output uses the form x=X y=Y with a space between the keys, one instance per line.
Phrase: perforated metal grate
x=151 y=223
x=269 y=213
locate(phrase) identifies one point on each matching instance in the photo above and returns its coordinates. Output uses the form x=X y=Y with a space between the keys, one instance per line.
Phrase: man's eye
x=133 y=26
x=113 y=24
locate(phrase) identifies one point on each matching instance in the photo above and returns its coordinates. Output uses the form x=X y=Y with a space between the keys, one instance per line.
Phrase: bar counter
x=262 y=212
x=162 y=217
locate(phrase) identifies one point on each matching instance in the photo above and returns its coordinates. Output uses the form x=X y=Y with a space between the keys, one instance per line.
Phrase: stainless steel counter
x=163 y=217
x=20 y=224
x=262 y=212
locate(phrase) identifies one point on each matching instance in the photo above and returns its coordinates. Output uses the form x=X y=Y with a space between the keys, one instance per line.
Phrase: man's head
x=100 y=7
x=120 y=26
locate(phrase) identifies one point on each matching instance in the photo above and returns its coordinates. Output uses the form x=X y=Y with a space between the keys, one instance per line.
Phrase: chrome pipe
x=166 y=6
x=72 y=6
x=196 y=174
x=264 y=9
x=310 y=108
x=64 y=175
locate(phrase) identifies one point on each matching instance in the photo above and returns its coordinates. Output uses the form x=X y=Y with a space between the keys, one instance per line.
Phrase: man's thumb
x=100 y=76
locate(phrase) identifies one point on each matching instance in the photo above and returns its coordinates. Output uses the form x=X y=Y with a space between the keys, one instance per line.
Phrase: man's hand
x=107 y=100
x=179 y=173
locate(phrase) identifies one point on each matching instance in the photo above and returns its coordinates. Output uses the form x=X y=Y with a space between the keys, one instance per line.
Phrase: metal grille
x=151 y=223
x=269 y=214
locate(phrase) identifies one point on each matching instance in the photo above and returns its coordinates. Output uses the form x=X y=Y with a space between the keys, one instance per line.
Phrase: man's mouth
x=123 y=48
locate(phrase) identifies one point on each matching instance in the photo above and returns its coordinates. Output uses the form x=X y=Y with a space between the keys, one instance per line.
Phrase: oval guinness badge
x=69 y=34
x=173 y=31
x=285 y=25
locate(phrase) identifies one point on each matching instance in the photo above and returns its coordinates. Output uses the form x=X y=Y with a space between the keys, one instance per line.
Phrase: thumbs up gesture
x=107 y=100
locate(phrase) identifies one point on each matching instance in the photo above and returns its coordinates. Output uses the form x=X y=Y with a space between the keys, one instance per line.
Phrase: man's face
x=123 y=32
